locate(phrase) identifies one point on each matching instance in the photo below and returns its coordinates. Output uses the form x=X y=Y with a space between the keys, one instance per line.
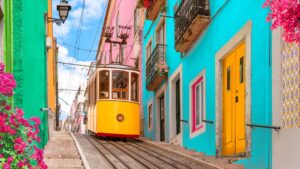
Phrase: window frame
x=99 y=79
x=161 y=28
x=197 y=129
x=127 y=87
x=148 y=51
x=137 y=87
x=150 y=125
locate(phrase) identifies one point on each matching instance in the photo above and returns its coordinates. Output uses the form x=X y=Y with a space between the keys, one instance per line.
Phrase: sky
x=77 y=40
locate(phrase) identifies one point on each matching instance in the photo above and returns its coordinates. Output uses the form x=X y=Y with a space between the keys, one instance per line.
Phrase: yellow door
x=233 y=128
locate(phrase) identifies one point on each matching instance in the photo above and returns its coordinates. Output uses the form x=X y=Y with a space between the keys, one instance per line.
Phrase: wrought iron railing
x=157 y=56
x=186 y=13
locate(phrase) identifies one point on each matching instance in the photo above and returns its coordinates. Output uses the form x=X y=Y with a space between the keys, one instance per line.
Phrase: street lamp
x=63 y=9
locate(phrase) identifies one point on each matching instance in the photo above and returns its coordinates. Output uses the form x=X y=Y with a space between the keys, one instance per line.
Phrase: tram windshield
x=120 y=85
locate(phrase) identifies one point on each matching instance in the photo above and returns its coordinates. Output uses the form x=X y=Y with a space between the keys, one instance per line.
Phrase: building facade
x=52 y=50
x=30 y=60
x=77 y=112
x=207 y=78
x=139 y=20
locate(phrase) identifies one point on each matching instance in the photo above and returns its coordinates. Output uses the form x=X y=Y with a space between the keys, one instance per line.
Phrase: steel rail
x=143 y=158
x=110 y=151
x=102 y=154
x=148 y=150
x=147 y=146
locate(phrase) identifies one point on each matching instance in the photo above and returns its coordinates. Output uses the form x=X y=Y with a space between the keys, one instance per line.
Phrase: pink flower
x=36 y=120
x=20 y=145
x=285 y=14
x=7 y=107
x=9 y=159
x=6 y=166
x=19 y=112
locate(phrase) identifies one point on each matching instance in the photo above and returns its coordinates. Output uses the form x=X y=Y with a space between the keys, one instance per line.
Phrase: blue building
x=207 y=78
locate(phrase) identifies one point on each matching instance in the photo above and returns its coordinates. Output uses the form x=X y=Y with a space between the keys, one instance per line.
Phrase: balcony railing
x=191 y=18
x=153 y=8
x=156 y=68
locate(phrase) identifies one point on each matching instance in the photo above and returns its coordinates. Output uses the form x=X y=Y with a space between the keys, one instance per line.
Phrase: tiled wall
x=290 y=79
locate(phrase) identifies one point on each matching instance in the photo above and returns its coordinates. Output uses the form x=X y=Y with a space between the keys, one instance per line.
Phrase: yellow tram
x=113 y=101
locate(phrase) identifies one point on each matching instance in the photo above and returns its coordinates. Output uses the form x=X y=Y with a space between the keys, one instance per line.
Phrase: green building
x=29 y=57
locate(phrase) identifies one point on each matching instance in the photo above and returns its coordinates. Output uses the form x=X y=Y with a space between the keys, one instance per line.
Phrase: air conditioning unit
x=48 y=42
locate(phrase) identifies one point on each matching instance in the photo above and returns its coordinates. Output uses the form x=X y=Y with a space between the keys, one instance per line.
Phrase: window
x=199 y=104
x=134 y=87
x=150 y=116
x=228 y=78
x=198 y=109
x=104 y=84
x=160 y=34
x=119 y=85
x=148 y=50
x=242 y=70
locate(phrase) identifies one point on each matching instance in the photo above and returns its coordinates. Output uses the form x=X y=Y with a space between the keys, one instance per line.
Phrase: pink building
x=117 y=38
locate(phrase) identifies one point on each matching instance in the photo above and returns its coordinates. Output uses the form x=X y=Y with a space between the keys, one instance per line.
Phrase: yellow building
x=51 y=63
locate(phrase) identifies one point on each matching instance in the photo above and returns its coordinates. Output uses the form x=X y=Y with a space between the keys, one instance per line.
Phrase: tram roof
x=117 y=66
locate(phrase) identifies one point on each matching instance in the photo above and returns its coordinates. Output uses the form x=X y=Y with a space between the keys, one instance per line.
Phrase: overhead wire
x=77 y=42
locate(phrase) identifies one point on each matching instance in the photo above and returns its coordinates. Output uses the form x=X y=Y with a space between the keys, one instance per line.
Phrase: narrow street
x=149 y=84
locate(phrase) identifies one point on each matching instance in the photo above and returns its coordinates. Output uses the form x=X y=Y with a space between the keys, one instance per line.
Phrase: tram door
x=234 y=135
x=162 y=117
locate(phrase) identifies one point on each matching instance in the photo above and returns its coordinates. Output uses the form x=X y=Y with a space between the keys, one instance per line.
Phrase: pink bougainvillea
x=17 y=134
x=285 y=14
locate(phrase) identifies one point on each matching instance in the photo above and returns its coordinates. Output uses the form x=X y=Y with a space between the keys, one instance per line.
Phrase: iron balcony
x=191 y=18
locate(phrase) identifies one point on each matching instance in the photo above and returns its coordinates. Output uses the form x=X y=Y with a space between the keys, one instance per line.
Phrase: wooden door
x=233 y=128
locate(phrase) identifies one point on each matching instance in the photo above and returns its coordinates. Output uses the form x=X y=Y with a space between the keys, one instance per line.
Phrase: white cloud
x=92 y=13
x=69 y=77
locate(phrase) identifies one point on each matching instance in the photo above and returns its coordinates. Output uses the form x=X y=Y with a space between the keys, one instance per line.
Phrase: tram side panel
x=118 y=119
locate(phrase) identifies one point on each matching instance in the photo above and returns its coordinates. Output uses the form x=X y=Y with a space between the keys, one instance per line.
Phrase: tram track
x=123 y=156
x=147 y=164
x=135 y=154
x=179 y=159
x=112 y=160
x=162 y=157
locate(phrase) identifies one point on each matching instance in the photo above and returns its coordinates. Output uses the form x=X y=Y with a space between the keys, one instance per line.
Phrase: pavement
x=61 y=152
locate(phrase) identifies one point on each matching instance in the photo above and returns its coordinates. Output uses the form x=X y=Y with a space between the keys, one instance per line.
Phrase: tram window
x=120 y=85
x=104 y=84
x=134 y=87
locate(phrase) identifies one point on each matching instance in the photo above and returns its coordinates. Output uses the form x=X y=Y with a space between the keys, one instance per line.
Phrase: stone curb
x=182 y=154
x=83 y=157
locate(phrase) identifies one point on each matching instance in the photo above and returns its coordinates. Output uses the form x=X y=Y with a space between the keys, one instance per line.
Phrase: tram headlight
x=120 y=117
